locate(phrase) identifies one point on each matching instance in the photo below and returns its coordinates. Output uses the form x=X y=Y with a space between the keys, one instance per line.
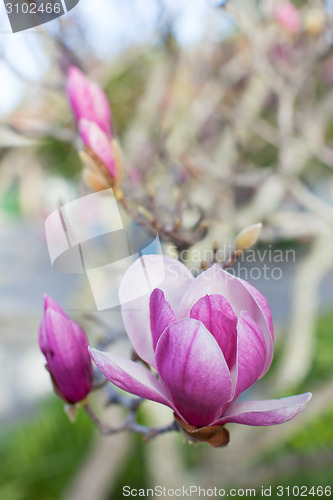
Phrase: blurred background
x=222 y=109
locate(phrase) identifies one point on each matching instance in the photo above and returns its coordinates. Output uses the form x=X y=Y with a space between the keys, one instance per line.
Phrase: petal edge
x=267 y=412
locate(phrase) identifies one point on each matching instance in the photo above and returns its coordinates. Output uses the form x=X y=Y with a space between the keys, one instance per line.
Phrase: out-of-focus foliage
x=39 y=454
x=135 y=471
x=60 y=158
x=321 y=368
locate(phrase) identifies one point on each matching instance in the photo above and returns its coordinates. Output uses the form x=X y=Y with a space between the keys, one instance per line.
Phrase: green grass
x=322 y=366
x=39 y=455
x=60 y=158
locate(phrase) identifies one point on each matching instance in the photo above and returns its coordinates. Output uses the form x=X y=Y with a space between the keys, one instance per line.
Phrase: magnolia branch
x=129 y=425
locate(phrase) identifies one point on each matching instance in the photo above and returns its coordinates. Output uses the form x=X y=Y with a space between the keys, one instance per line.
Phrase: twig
x=129 y=424
x=147 y=219
x=234 y=256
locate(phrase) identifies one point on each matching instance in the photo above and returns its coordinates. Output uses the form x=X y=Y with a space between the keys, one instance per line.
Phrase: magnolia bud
x=248 y=237
x=95 y=181
x=314 y=21
x=288 y=17
x=65 y=347
x=99 y=143
x=88 y=100
x=102 y=158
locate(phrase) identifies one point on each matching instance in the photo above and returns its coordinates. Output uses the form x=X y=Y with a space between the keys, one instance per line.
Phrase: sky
x=110 y=26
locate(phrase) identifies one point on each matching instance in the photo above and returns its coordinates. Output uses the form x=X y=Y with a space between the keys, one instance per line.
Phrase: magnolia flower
x=208 y=339
x=65 y=347
x=99 y=143
x=102 y=158
x=288 y=17
x=88 y=100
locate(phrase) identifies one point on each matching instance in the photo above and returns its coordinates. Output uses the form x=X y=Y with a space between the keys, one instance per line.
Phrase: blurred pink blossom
x=288 y=16
x=99 y=142
x=88 y=100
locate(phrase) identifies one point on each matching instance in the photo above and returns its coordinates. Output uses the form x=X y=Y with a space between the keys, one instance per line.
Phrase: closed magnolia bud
x=94 y=180
x=96 y=174
x=314 y=21
x=95 y=177
x=99 y=143
x=288 y=17
x=65 y=347
x=102 y=157
x=88 y=100
x=248 y=237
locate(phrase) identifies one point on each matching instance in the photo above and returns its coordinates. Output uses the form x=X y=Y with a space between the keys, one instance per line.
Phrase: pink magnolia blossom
x=98 y=141
x=65 y=347
x=287 y=15
x=88 y=100
x=208 y=338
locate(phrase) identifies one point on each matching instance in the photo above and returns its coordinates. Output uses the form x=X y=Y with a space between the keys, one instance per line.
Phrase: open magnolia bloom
x=208 y=338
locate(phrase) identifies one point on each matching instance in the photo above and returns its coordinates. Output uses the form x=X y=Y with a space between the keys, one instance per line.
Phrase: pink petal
x=102 y=108
x=268 y=412
x=215 y=312
x=141 y=278
x=217 y=281
x=79 y=95
x=50 y=303
x=251 y=353
x=88 y=100
x=99 y=142
x=161 y=314
x=287 y=15
x=130 y=377
x=192 y=366
x=262 y=303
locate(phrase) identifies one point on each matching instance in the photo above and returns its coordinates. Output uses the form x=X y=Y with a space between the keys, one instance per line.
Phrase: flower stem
x=129 y=424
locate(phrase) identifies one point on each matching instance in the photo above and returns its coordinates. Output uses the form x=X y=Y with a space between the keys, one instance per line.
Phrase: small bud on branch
x=248 y=237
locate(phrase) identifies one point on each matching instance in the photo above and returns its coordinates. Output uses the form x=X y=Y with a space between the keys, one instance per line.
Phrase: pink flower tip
x=50 y=303
x=288 y=16
x=88 y=100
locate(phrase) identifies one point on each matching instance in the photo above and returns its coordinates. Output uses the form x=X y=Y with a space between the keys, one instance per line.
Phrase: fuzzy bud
x=248 y=237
